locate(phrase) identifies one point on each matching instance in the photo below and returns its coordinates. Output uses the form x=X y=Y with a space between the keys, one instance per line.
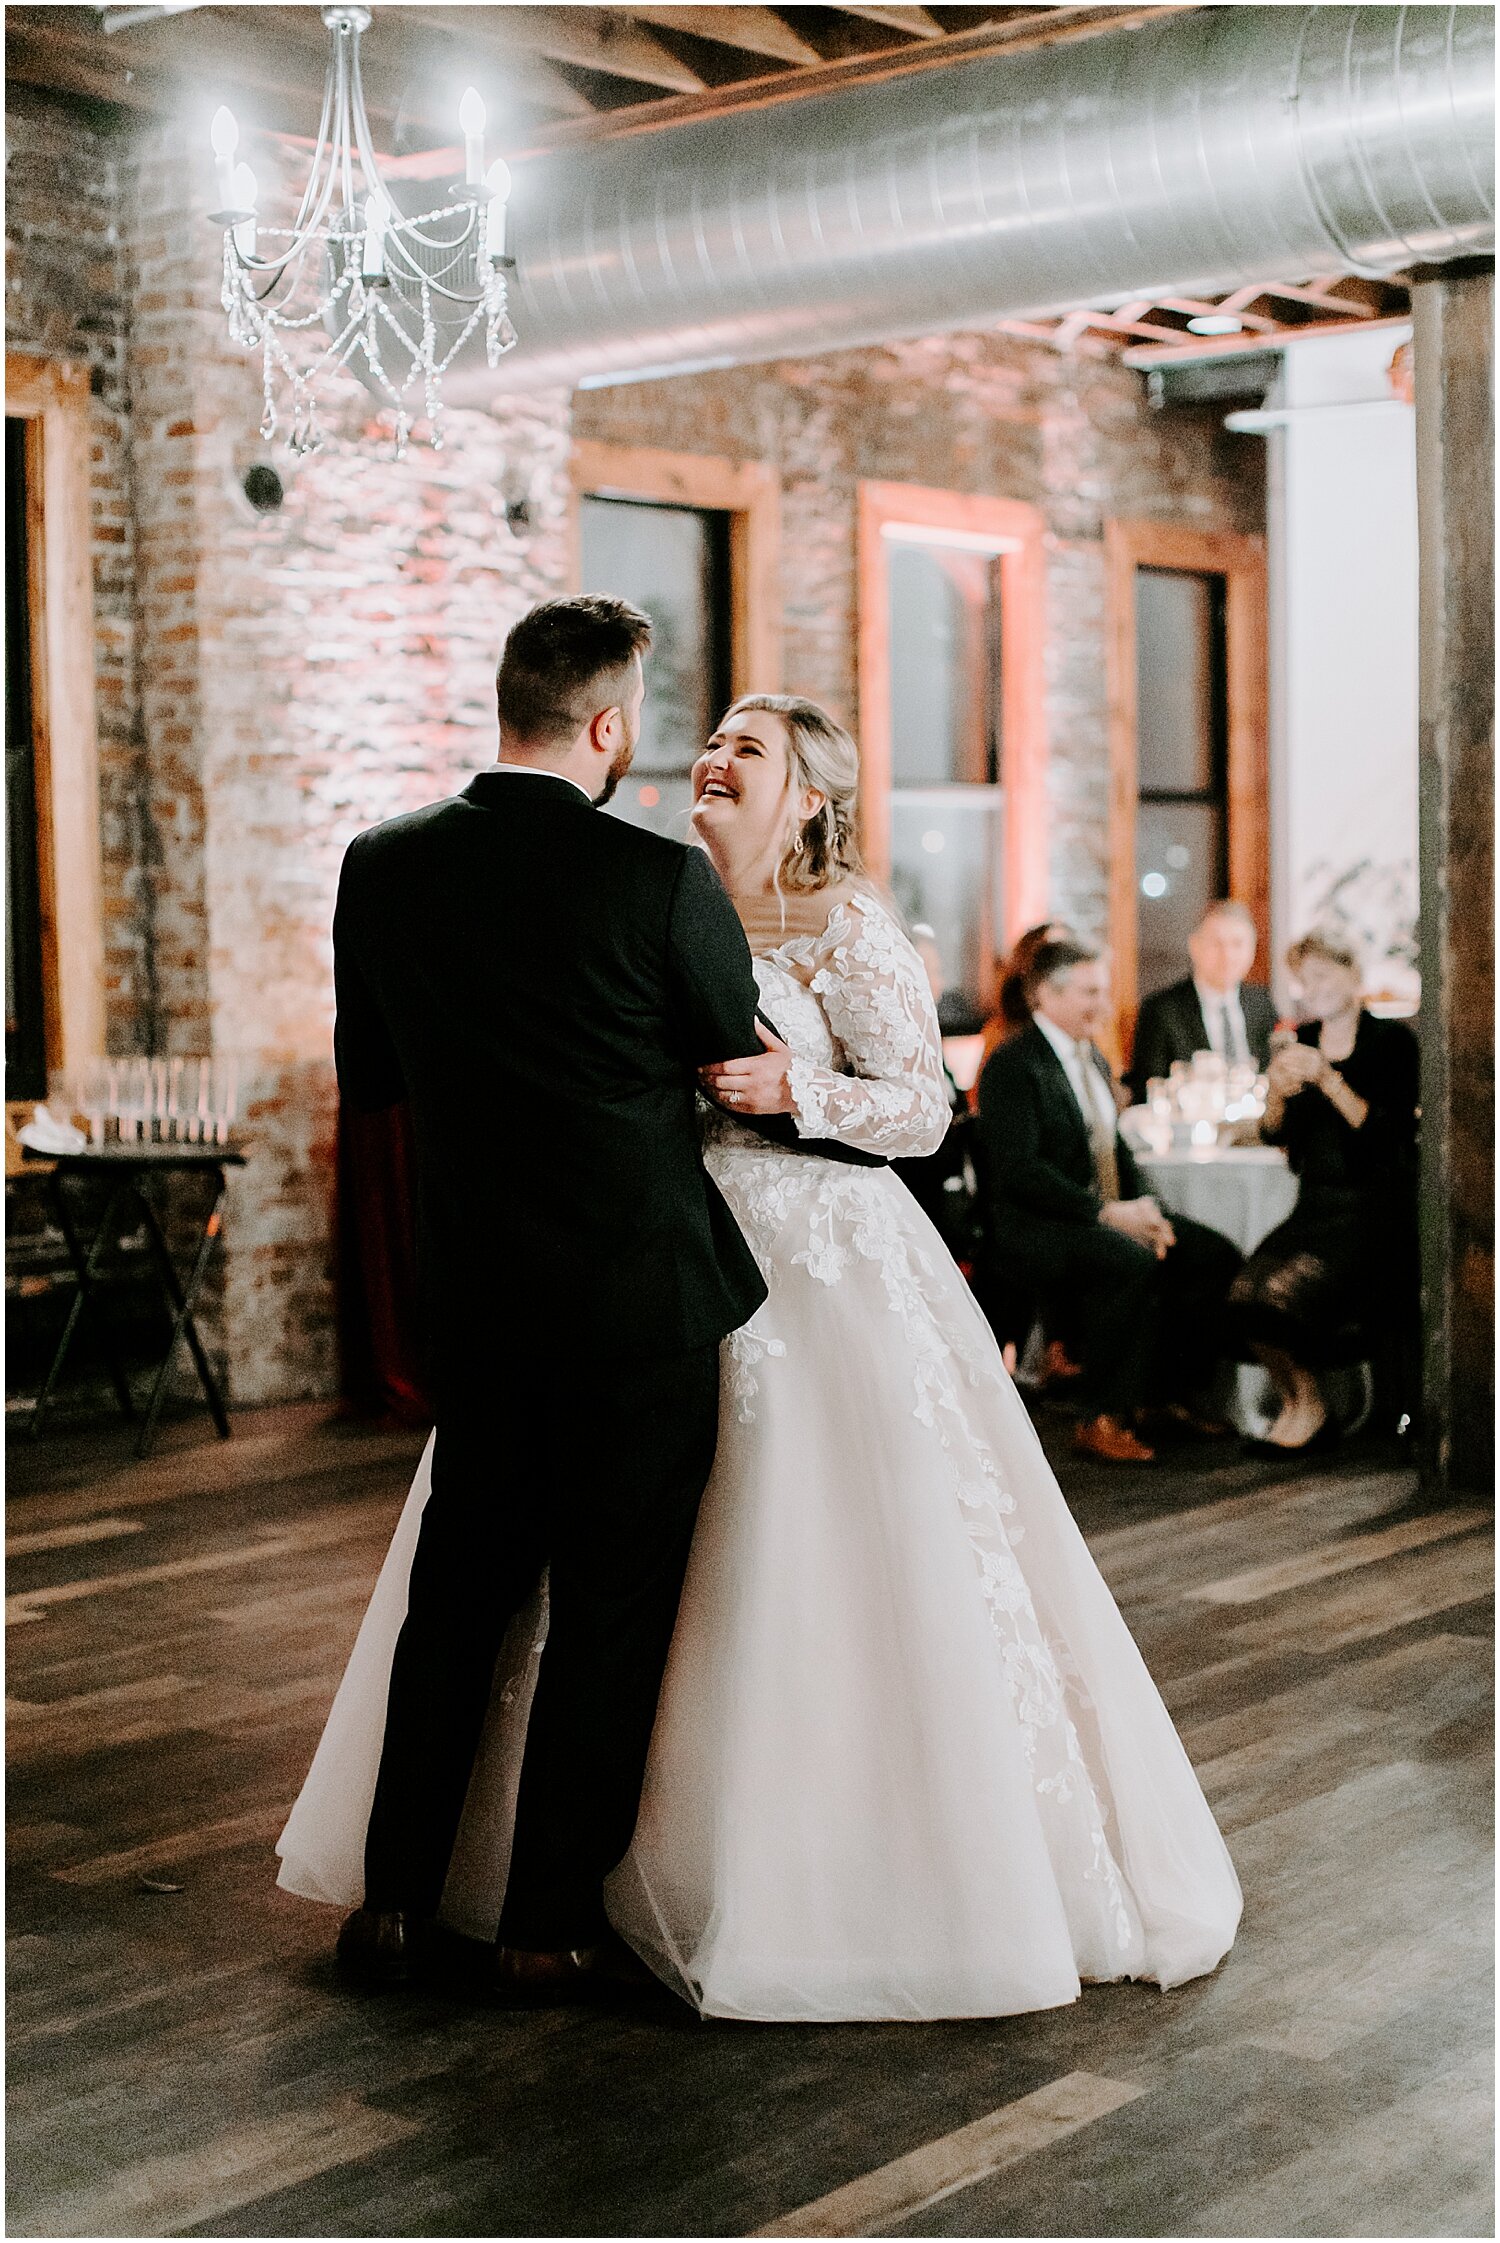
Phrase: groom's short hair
x=562 y=663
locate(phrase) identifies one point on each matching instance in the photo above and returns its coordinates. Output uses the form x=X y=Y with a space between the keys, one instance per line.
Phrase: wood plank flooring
x=183 y=2062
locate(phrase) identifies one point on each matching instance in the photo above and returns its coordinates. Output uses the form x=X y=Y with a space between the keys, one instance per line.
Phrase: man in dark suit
x=1213 y=1009
x=542 y=984
x=1138 y=1298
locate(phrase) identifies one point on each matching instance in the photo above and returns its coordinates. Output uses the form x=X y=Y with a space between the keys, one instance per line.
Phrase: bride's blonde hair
x=823 y=849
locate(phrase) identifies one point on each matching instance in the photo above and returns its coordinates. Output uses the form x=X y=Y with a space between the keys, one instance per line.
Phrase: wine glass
x=222 y=1098
x=134 y=1100
x=175 y=1069
x=95 y=1097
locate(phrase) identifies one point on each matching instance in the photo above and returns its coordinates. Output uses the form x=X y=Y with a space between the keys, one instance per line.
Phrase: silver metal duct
x=1217 y=146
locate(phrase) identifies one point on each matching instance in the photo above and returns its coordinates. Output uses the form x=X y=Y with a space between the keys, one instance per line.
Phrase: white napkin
x=47 y=1132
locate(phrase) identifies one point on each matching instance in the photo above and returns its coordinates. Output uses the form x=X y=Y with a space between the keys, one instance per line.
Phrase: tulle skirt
x=908 y=1762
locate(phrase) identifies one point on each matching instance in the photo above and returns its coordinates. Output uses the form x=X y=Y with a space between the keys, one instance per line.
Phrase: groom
x=542 y=984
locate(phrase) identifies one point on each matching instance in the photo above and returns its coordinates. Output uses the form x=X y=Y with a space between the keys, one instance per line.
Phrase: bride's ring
x=733 y=1097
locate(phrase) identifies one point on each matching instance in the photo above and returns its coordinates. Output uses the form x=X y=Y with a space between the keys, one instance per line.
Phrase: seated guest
x=1010 y=1306
x=1340 y=1274
x=1137 y=1297
x=1012 y=1014
x=1214 y=1009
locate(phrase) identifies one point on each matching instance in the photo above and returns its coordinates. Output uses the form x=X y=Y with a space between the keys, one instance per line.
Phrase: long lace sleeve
x=879 y=1006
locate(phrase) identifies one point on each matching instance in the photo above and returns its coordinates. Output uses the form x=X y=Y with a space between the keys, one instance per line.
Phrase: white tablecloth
x=1243 y=1191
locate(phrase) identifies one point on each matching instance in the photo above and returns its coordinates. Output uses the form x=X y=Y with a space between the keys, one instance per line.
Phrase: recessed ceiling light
x=1216 y=323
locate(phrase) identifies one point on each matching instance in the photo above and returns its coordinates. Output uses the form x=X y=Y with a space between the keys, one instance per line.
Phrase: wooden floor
x=182 y=2061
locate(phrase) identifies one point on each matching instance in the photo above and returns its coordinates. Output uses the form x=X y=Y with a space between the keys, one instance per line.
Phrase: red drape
x=380 y=1326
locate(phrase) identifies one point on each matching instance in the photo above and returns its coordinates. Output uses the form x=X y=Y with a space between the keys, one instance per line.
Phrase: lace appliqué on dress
x=854 y=1006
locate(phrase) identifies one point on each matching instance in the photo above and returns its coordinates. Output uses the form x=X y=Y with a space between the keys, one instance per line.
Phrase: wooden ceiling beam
x=400 y=66
x=757 y=31
x=599 y=39
x=914 y=20
x=1287 y=292
x=146 y=69
x=1060 y=26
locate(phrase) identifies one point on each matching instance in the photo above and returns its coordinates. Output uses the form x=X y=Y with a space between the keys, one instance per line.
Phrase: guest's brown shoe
x=1112 y=1442
x=381 y=1947
x=547 y=1978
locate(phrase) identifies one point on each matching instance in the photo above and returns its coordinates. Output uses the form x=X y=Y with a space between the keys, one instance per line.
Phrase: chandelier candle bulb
x=497 y=184
x=377 y=218
x=245 y=192
x=471 y=123
x=225 y=136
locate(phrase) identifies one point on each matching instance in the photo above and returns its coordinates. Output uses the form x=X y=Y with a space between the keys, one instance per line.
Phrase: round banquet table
x=1242 y=1191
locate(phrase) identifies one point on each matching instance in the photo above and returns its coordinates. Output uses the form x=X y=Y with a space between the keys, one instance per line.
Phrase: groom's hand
x=753 y=1086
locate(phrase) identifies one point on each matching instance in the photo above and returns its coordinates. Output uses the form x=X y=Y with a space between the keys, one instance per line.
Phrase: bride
x=907 y=1762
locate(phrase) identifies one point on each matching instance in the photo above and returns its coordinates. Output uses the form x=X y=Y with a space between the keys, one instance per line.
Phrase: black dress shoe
x=547 y=1978
x=381 y=1947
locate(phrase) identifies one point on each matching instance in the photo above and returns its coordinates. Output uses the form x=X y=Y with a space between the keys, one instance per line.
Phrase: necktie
x=1226 y=1030
x=1101 y=1140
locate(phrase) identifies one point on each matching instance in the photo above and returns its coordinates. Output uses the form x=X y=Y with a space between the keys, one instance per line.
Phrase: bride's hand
x=753 y=1086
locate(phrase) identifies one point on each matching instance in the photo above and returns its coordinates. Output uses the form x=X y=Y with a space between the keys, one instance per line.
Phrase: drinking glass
x=222 y=1097
x=202 y=1121
x=173 y=1102
x=94 y=1097
x=134 y=1100
x=156 y=1129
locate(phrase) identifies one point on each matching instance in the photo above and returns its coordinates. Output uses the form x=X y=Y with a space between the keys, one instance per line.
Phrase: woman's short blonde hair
x=824 y=848
x=1334 y=950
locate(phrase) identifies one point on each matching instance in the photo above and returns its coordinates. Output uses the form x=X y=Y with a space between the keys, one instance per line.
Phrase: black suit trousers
x=596 y=1475
x=1145 y=1330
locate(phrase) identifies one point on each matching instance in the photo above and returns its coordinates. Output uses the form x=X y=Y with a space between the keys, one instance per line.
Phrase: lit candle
x=471 y=124
x=377 y=218
x=245 y=191
x=225 y=135
x=497 y=184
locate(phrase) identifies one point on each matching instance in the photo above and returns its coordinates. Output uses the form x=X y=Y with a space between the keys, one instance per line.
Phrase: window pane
x=944 y=622
x=672 y=561
x=945 y=860
x=1179 y=855
x=1178 y=640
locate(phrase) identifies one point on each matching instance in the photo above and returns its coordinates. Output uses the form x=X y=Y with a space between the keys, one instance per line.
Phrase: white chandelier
x=397 y=295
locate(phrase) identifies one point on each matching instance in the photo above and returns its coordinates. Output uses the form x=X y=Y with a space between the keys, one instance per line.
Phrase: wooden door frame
x=52 y=397
x=1016 y=533
x=749 y=492
x=1241 y=561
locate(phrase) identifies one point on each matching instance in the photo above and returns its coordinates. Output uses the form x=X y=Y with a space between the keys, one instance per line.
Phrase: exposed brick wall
x=302 y=674
x=332 y=664
x=269 y=685
x=971 y=413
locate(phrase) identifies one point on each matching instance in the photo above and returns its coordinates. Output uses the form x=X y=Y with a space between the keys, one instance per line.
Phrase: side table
x=127 y=1171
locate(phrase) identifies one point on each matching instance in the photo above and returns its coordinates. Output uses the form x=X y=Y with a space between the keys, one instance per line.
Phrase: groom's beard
x=617 y=770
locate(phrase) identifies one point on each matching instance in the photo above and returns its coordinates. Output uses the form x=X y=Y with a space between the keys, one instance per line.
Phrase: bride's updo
x=822 y=849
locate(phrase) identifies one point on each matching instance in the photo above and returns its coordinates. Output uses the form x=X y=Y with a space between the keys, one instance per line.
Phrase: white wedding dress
x=908 y=1762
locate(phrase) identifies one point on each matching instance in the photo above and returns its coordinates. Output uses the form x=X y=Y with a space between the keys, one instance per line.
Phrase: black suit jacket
x=1170 y=1025
x=1036 y=1159
x=541 y=983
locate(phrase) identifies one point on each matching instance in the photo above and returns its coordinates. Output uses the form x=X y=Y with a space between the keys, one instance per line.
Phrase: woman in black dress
x=1340 y=1274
